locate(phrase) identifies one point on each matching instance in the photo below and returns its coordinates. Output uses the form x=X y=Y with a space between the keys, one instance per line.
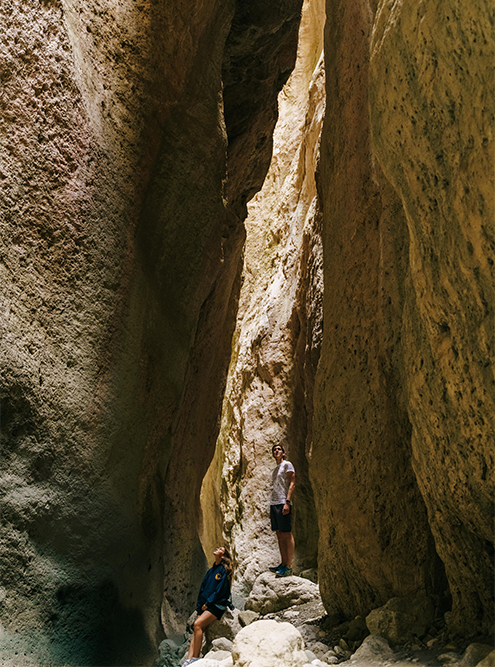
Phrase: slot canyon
x=227 y=224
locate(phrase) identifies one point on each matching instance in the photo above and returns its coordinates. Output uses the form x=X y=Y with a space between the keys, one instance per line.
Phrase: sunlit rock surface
x=121 y=238
x=402 y=460
x=276 y=344
x=435 y=142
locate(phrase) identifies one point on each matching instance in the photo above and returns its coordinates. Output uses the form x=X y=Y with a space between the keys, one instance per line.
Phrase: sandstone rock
x=438 y=155
x=448 y=658
x=169 y=652
x=222 y=644
x=361 y=422
x=275 y=348
x=118 y=301
x=208 y=662
x=400 y=619
x=217 y=655
x=227 y=627
x=357 y=630
x=271 y=594
x=475 y=654
x=247 y=616
x=319 y=649
x=374 y=649
x=311 y=574
x=489 y=661
x=269 y=644
x=401 y=383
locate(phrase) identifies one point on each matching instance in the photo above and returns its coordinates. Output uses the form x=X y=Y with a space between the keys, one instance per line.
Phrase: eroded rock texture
x=402 y=459
x=435 y=142
x=278 y=334
x=120 y=244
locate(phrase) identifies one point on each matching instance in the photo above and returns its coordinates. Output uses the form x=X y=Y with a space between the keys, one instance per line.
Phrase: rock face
x=435 y=143
x=402 y=454
x=120 y=253
x=132 y=138
x=276 y=343
x=398 y=433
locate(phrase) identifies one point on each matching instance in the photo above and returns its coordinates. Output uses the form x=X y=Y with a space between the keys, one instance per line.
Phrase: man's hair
x=281 y=447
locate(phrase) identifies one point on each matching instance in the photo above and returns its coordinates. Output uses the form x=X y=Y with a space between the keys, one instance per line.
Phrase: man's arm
x=291 y=476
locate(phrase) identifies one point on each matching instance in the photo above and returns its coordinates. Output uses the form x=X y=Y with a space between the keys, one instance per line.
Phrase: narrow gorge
x=227 y=224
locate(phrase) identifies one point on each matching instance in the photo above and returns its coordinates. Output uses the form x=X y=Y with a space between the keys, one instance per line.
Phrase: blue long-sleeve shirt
x=215 y=589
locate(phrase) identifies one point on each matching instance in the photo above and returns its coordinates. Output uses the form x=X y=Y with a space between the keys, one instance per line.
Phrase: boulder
x=271 y=594
x=247 y=616
x=357 y=630
x=489 y=661
x=222 y=644
x=227 y=627
x=474 y=654
x=217 y=655
x=269 y=644
x=373 y=649
x=311 y=574
x=400 y=619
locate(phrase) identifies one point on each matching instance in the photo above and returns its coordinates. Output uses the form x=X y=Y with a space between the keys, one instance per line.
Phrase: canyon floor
x=408 y=637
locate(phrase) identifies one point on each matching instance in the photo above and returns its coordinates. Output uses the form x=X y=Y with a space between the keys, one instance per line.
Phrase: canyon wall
x=276 y=344
x=121 y=240
x=403 y=435
x=398 y=442
x=133 y=137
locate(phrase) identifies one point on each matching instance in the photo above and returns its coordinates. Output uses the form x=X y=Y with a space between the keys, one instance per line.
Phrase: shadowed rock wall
x=402 y=460
x=120 y=249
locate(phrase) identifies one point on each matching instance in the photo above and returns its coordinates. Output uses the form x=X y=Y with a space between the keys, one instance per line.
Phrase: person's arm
x=291 y=476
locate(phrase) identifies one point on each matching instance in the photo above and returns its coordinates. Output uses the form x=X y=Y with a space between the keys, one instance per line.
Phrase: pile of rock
x=284 y=624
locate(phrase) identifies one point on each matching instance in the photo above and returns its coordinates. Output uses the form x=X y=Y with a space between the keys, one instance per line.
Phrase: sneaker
x=276 y=568
x=284 y=572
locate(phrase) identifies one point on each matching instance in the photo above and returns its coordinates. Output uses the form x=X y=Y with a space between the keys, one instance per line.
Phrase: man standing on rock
x=283 y=483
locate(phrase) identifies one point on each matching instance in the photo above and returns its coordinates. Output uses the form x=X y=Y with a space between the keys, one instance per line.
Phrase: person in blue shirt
x=213 y=599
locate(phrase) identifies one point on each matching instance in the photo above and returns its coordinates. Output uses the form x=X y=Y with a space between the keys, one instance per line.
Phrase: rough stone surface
x=400 y=619
x=402 y=457
x=434 y=138
x=270 y=594
x=222 y=644
x=246 y=617
x=276 y=343
x=120 y=246
x=373 y=650
x=269 y=644
x=475 y=654
x=489 y=661
x=227 y=627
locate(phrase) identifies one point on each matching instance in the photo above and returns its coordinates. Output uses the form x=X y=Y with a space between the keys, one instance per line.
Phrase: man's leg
x=282 y=547
x=200 y=624
x=286 y=543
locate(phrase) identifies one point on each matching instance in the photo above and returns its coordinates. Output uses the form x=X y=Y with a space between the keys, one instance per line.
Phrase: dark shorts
x=279 y=521
x=216 y=611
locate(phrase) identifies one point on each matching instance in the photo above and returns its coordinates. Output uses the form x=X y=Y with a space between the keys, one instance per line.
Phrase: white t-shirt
x=280 y=483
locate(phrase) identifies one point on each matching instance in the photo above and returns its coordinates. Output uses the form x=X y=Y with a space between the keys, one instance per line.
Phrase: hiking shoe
x=284 y=572
x=276 y=568
x=189 y=661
